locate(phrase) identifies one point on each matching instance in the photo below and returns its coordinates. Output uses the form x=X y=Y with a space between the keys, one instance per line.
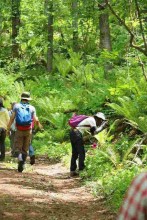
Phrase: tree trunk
x=50 y=35
x=75 y=24
x=15 y=27
x=105 y=37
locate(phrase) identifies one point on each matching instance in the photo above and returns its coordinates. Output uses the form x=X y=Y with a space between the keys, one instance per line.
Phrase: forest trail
x=44 y=191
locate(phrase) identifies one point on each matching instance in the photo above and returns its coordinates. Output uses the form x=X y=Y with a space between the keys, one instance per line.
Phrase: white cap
x=100 y=115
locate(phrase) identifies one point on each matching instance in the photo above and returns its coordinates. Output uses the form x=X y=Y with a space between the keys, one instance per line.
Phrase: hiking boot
x=20 y=166
x=73 y=173
x=32 y=160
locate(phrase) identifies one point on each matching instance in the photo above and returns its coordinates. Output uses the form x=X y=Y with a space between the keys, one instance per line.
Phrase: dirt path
x=44 y=192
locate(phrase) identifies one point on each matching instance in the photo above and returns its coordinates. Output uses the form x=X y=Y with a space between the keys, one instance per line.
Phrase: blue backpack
x=23 y=115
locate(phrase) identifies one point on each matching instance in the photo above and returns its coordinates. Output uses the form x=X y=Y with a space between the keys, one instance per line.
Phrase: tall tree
x=75 y=24
x=49 y=6
x=105 y=37
x=15 y=27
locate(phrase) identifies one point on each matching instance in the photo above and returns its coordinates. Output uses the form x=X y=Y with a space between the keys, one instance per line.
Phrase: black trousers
x=78 y=151
x=2 y=142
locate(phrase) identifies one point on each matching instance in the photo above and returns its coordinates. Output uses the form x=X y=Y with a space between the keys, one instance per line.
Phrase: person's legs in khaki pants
x=22 y=142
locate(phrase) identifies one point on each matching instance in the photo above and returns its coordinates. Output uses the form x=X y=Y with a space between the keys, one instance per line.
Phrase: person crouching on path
x=4 y=120
x=93 y=124
x=23 y=114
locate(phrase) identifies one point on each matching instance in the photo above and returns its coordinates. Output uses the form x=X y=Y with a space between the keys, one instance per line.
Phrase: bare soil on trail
x=44 y=191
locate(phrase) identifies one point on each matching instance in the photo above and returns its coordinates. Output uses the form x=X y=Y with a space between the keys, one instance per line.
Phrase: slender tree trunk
x=105 y=37
x=50 y=35
x=15 y=27
x=75 y=24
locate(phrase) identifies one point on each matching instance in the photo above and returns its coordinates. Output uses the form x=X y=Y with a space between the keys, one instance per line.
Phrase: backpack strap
x=88 y=126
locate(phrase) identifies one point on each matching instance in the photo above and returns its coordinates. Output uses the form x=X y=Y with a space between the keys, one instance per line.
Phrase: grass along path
x=44 y=192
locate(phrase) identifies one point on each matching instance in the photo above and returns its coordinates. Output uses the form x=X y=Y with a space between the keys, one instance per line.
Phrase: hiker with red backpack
x=79 y=125
x=23 y=114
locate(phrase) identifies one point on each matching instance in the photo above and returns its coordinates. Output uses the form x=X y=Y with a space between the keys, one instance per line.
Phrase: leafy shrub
x=44 y=145
x=96 y=164
x=116 y=183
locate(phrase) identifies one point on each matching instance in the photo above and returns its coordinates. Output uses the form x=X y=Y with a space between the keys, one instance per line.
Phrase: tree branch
x=144 y=51
x=140 y=22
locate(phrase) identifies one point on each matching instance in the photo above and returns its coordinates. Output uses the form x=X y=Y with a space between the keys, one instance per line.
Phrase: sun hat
x=26 y=96
x=100 y=115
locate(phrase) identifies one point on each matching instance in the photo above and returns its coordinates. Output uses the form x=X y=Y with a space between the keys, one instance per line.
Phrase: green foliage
x=67 y=66
x=45 y=145
x=130 y=109
x=63 y=65
x=78 y=83
x=110 y=154
x=130 y=98
x=116 y=183
x=111 y=166
x=96 y=164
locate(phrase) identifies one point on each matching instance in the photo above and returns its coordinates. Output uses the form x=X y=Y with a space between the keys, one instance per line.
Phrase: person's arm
x=94 y=130
x=37 y=122
x=35 y=119
x=11 y=121
x=103 y=126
